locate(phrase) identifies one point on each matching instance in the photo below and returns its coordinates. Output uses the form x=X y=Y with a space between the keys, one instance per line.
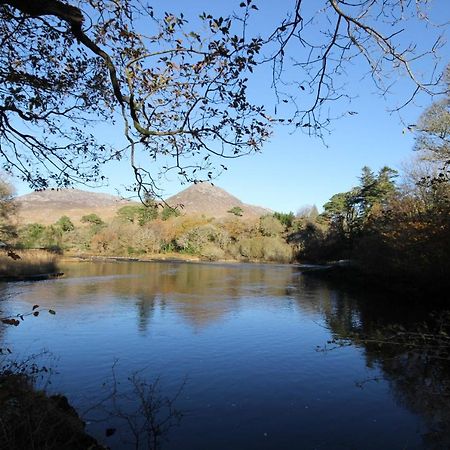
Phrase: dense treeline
x=392 y=228
x=148 y=231
x=387 y=229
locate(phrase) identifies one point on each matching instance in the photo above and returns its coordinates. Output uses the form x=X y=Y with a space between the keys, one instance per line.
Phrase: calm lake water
x=239 y=348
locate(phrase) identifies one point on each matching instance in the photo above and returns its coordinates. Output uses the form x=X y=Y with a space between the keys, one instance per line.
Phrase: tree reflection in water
x=169 y=315
x=409 y=345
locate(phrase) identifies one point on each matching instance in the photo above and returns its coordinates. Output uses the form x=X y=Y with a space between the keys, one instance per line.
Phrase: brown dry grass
x=48 y=215
x=30 y=263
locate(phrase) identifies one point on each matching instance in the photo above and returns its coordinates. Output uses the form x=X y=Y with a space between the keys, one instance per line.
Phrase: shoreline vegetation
x=27 y=265
x=396 y=239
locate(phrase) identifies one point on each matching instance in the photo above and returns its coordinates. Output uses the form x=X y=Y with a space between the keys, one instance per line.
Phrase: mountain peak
x=206 y=198
x=48 y=205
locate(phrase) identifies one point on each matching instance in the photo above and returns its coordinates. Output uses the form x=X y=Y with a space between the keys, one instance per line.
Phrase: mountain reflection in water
x=245 y=338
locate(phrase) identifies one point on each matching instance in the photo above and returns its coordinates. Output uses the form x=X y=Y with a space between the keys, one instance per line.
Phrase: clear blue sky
x=294 y=169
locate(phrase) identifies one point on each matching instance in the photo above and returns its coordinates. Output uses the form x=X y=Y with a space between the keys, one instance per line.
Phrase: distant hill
x=47 y=206
x=205 y=198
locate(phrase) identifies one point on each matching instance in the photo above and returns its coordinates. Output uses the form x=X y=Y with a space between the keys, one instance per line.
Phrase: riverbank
x=172 y=257
x=167 y=257
x=32 y=419
x=28 y=265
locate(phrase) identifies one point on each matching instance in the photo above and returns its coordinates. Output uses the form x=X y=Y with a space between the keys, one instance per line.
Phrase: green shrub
x=287 y=219
x=212 y=252
x=30 y=236
x=65 y=224
x=270 y=226
x=169 y=212
x=236 y=210
x=196 y=238
x=140 y=214
x=265 y=248
x=92 y=219
x=276 y=249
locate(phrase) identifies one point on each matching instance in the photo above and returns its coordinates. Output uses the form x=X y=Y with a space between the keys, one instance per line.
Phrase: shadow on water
x=408 y=341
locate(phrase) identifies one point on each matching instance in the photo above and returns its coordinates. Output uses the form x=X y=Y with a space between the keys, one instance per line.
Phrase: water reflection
x=245 y=335
x=411 y=347
x=201 y=296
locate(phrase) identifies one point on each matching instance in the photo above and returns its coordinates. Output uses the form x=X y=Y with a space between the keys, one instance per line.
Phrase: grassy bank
x=22 y=264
